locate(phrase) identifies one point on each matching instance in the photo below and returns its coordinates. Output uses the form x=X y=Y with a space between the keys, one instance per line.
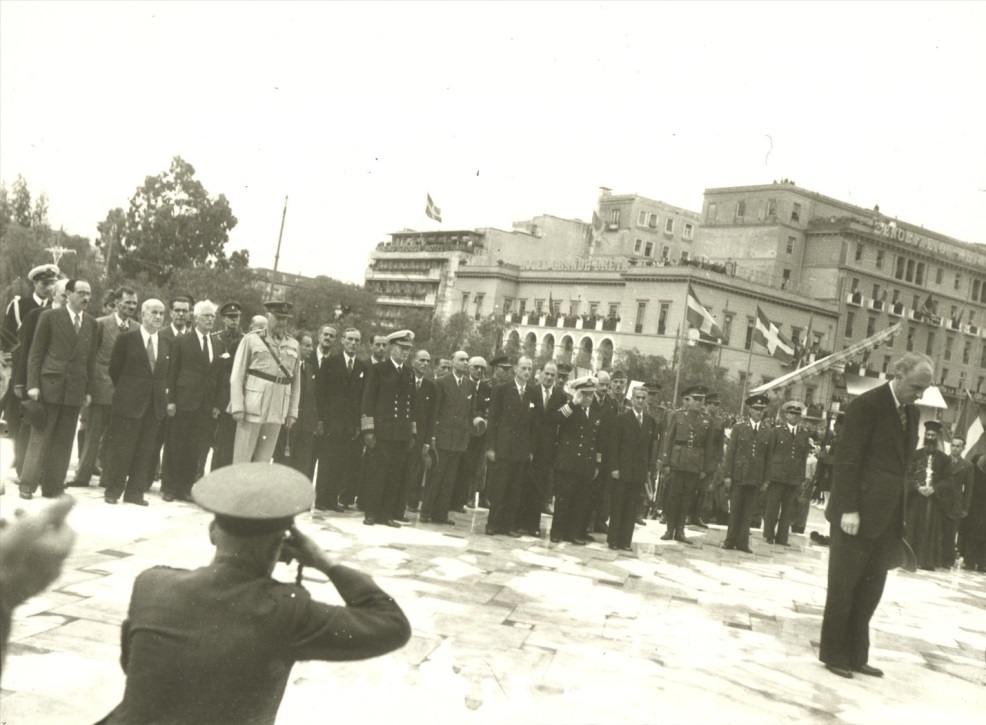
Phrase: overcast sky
x=500 y=111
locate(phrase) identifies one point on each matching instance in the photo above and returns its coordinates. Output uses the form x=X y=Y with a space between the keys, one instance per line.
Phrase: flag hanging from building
x=769 y=335
x=803 y=350
x=969 y=425
x=701 y=319
x=432 y=211
x=927 y=312
x=597 y=226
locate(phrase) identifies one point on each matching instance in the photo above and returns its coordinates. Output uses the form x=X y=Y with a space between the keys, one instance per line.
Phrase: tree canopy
x=173 y=223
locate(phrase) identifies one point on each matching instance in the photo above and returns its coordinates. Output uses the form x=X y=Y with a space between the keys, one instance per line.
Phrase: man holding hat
x=265 y=386
x=742 y=471
x=685 y=458
x=577 y=461
x=388 y=428
x=784 y=472
x=471 y=465
x=217 y=644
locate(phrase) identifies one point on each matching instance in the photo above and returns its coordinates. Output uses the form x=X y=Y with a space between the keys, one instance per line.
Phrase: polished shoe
x=167 y=497
x=588 y=537
x=680 y=538
x=484 y=504
x=97 y=471
x=728 y=547
x=511 y=534
x=577 y=542
x=639 y=521
x=446 y=522
x=109 y=499
x=745 y=550
x=137 y=501
x=700 y=524
x=185 y=497
x=391 y=523
x=368 y=521
x=424 y=519
x=26 y=495
x=867 y=670
x=555 y=539
x=490 y=531
x=783 y=543
x=459 y=509
x=668 y=536
x=601 y=529
x=403 y=519
x=77 y=484
x=769 y=541
x=338 y=509
x=625 y=548
x=612 y=546
x=663 y=520
x=840 y=671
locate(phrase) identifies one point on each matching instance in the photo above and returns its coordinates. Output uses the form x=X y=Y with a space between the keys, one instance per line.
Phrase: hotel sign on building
x=933 y=246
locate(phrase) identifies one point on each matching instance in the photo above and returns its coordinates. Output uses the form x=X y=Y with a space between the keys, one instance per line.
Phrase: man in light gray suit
x=60 y=370
x=98 y=411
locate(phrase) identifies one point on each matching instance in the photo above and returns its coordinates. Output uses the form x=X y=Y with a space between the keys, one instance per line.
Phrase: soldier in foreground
x=685 y=457
x=217 y=644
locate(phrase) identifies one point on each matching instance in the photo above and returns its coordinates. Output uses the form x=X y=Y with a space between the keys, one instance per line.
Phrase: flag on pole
x=927 y=312
x=969 y=425
x=701 y=319
x=769 y=335
x=597 y=226
x=432 y=211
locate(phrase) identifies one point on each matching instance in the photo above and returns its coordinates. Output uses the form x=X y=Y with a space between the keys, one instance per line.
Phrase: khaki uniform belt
x=267 y=376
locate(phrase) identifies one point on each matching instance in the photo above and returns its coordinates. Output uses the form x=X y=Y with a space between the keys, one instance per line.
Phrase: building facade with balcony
x=648 y=230
x=584 y=311
x=875 y=269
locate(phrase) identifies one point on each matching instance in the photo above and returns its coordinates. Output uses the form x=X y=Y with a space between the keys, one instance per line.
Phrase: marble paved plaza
x=523 y=631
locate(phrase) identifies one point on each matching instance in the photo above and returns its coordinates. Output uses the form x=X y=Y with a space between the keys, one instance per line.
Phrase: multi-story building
x=875 y=269
x=418 y=270
x=644 y=229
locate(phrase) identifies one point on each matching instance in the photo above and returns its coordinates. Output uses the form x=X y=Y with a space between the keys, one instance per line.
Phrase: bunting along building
x=873 y=269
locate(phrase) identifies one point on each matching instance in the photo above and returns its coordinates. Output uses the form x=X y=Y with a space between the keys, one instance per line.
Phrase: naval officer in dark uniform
x=686 y=454
x=217 y=644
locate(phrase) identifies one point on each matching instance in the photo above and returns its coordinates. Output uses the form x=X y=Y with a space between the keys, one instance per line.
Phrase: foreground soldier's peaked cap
x=933 y=425
x=618 y=375
x=793 y=406
x=252 y=499
x=404 y=338
x=500 y=362
x=695 y=391
x=757 y=401
x=279 y=307
x=231 y=308
x=44 y=271
x=564 y=368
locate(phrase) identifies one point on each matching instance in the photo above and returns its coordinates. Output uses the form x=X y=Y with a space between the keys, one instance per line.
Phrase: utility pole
x=277 y=254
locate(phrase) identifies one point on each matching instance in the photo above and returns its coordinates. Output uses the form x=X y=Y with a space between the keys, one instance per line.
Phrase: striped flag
x=432 y=211
x=769 y=335
x=701 y=319
x=969 y=425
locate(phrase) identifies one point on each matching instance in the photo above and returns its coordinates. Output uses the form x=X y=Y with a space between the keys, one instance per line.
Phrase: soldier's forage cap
x=500 y=362
x=932 y=425
x=253 y=499
x=586 y=384
x=712 y=398
x=279 y=308
x=230 y=308
x=404 y=338
x=792 y=406
x=474 y=361
x=652 y=387
x=564 y=369
x=44 y=271
x=757 y=401
x=695 y=391
x=618 y=375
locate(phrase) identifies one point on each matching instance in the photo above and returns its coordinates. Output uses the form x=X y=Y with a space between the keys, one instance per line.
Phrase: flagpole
x=746 y=380
x=681 y=345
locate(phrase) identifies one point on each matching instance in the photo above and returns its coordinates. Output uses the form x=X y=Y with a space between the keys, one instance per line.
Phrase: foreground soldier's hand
x=307 y=552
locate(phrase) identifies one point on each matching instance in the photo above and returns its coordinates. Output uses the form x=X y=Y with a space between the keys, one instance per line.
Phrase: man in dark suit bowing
x=197 y=391
x=866 y=511
x=60 y=369
x=341 y=379
x=455 y=411
x=508 y=446
x=388 y=428
x=633 y=462
x=139 y=370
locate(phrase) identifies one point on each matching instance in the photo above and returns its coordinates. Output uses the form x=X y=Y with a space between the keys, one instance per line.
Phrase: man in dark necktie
x=424 y=421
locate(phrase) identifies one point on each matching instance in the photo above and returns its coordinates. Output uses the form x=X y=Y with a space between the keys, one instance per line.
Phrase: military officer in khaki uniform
x=685 y=456
x=265 y=386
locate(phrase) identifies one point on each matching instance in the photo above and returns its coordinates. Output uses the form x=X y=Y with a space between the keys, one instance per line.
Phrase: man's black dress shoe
x=392 y=524
x=368 y=521
x=612 y=546
x=109 y=499
x=667 y=536
x=577 y=542
x=700 y=524
x=490 y=531
x=867 y=670
x=137 y=501
x=840 y=671
x=424 y=519
x=167 y=497
x=511 y=534
x=77 y=484
x=403 y=519
x=26 y=495
x=728 y=546
x=338 y=509
x=680 y=538
x=588 y=537
x=639 y=521
x=555 y=539
x=746 y=550
x=601 y=529
x=625 y=548
x=446 y=522
x=769 y=541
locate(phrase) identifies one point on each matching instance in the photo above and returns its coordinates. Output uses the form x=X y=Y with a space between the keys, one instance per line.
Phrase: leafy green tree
x=323 y=300
x=21 y=202
x=6 y=209
x=111 y=235
x=39 y=216
x=173 y=224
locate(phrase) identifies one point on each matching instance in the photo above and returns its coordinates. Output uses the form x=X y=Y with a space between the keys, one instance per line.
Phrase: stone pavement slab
x=523 y=631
